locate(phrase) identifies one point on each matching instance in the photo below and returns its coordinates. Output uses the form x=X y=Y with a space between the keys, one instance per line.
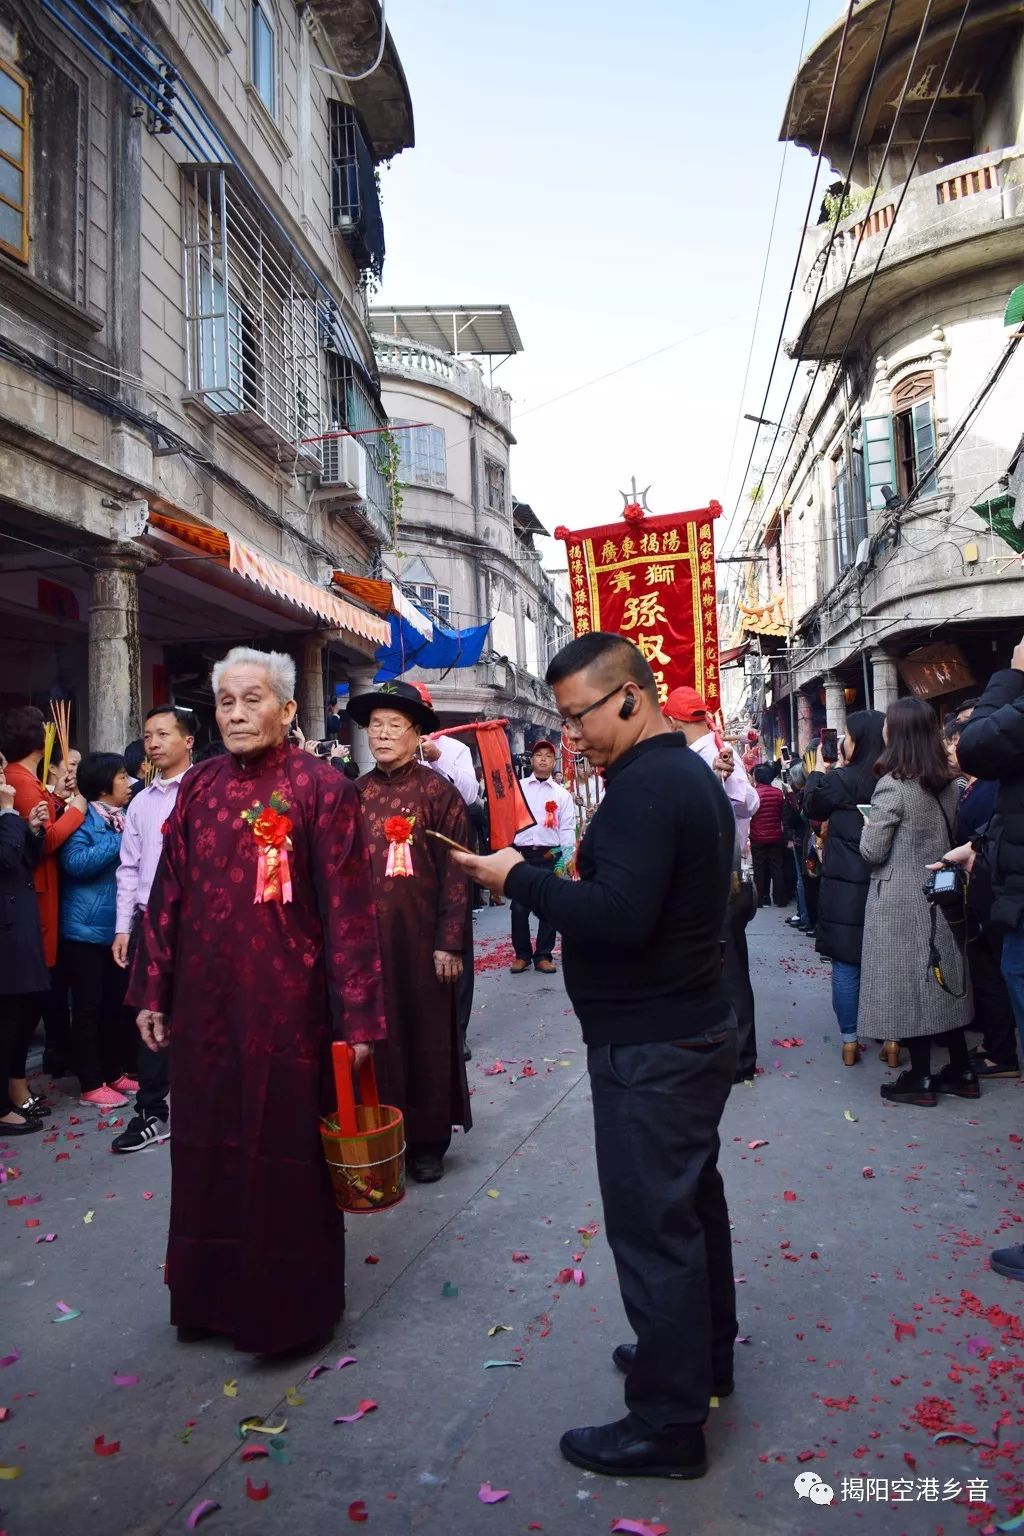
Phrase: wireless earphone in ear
x=628 y=706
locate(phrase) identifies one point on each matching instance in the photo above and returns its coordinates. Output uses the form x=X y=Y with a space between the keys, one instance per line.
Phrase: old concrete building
x=465 y=546
x=877 y=569
x=188 y=214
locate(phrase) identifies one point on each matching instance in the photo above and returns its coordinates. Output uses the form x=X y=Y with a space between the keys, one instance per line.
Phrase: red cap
x=543 y=746
x=424 y=693
x=685 y=704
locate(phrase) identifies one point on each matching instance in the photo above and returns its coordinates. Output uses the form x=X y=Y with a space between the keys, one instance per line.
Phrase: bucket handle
x=342 y=1057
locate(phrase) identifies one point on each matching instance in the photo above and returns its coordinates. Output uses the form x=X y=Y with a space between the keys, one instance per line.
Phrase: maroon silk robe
x=254 y=996
x=420 y=1067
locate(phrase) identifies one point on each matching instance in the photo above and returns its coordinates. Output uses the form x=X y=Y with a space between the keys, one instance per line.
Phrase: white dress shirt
x=456 y=765
x=742 y=794
x=536 y=793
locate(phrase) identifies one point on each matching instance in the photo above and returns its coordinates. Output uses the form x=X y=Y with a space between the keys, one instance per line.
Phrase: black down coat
x=991 y=746
x=834 y=797
x=22 y=967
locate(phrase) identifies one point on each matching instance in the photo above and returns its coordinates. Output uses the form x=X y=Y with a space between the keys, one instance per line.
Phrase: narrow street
x=869 y=1316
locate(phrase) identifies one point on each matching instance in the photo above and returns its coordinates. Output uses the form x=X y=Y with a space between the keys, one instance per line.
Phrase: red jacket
x=28 y=793
x=766 y=822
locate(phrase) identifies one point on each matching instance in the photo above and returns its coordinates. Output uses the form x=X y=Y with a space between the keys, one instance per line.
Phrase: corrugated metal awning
x=272 y=576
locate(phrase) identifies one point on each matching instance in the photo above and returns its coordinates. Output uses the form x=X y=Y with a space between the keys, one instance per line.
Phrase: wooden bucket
x=365 y=1143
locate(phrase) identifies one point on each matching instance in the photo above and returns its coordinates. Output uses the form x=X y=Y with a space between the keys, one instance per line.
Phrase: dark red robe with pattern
x=420 y=1067
x=254 y=994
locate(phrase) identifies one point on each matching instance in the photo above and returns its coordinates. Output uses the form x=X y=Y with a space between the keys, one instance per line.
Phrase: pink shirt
x=141 y=846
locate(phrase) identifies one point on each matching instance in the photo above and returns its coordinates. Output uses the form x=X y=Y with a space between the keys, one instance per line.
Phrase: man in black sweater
x=642 y=962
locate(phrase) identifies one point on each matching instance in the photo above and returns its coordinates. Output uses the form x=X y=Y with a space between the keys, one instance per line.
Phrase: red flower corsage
x=272 y=830
x=550 y=807
x=398 y=831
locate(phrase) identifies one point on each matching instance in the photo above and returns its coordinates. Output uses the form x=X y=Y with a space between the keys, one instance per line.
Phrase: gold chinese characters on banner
x=652 y=580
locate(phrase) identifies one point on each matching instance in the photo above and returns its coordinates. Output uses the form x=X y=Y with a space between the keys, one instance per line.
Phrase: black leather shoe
x=628 y=1449
x=426 y=1168
x=624 y=1355
x=908 y=1089
x=964 y=1084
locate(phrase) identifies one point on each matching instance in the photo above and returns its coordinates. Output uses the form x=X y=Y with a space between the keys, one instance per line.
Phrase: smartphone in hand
x=830 y=744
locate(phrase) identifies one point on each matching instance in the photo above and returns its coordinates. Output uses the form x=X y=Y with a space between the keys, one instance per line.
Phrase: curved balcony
x=960 y=219
x=413 y=360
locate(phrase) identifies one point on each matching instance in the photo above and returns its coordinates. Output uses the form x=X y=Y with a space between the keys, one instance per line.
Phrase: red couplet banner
x=652 y=580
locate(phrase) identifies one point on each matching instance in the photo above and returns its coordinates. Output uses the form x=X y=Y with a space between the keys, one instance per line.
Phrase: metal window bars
x=352 y=406
x=355 y=200
x=256 y=329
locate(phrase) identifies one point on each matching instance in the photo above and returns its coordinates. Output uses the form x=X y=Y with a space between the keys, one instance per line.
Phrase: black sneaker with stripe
x=143 y=1131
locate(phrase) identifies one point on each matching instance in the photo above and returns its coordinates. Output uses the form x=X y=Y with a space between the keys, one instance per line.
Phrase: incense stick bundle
x=49 y=737
x=148 y=771
x=60 y=709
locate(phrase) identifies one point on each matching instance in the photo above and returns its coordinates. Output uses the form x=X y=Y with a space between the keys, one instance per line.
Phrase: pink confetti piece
x=499 y=1066
x=578 y=1277
x=753 y=1145
x=203 y=1508
x=346 y=1360
x=977 y=1346
x=640 y=1528
x=147 y=1194
x=366 y=1406
x=867 y=1173
x=62 y=1306
x=318 y=1370
x=47 y=1237
x=11 y=1359
x=519 y=1258
x=32 y=1200
x=125 y=1381
x=590 y=1230
x=489 y=1495
x=743 y=1338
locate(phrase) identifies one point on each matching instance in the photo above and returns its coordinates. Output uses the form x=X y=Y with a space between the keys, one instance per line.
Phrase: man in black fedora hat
x=422 y=902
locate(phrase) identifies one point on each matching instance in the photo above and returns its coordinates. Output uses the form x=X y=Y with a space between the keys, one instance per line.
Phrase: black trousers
x=993 y=1011
x=57 y=1019
x=153 y=1068
x=736 y=973
x=770 y=872
x=522 y=941
x=657 y=1109
x=101 y=1034
x=19 y=1015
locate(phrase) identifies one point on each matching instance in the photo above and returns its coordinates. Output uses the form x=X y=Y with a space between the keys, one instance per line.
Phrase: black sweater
x=641 y=928
x=991 y=746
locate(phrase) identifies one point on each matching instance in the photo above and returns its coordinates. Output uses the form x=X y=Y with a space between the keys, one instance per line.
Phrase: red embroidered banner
x=652 y=580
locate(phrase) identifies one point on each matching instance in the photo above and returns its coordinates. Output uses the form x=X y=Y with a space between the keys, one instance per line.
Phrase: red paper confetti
x=147 y=1194
x=357 y=1512
x=256 y=1492
x=867 y=1173
x=519 y=1258
x=639 y=1528
x=788 y=1194
x=104 y=1447
x=254 y=1453
x=372 y=1258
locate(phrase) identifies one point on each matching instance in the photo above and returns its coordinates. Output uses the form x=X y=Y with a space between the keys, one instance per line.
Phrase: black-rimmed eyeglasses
x=574 y=723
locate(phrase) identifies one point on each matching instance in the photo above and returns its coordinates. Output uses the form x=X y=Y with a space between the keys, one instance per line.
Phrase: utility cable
x=336 y=74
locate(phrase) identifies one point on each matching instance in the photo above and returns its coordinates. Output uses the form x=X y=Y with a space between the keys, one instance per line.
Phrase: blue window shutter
x=923 y=418
x=879 y=459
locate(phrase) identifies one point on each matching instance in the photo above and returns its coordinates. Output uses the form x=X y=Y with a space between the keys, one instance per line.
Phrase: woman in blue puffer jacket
x=102 y=1039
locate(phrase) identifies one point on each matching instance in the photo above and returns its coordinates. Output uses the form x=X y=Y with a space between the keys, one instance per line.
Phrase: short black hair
x=765 y=773
x=134 y=757
x=21 y=732
x=606 y=652
x=188 y=725
x=97 y=772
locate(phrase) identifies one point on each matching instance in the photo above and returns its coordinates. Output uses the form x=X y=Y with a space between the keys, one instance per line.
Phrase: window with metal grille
x=13 y=163
x=355 y=198
x=436 y=600
x=351 y=405
x=254 y=324
x=421 y=453
x=494 y=485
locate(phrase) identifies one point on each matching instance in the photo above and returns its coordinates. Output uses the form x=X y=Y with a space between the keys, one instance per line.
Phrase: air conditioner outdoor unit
x=344 y=464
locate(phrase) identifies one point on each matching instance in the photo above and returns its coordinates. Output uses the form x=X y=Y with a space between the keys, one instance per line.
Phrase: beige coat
x=899 y=996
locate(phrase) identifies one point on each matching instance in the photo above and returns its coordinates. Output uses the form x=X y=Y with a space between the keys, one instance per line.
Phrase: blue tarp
x=445 y=649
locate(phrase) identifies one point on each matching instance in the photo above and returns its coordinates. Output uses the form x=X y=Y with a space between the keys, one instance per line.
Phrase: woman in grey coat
x=913 y=810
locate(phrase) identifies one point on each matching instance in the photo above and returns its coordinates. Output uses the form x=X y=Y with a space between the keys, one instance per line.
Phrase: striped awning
x=274 y=577
x=385 y=597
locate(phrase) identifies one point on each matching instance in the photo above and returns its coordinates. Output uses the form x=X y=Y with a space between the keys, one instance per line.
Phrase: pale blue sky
x=609 y=171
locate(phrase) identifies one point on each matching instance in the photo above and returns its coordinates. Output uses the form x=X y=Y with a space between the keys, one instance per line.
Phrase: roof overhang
x=526 y=519
x=977 y=51
x=352 y=28
x=482 y=330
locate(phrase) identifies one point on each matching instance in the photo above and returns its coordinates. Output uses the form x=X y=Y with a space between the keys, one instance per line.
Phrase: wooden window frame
x=20 y=253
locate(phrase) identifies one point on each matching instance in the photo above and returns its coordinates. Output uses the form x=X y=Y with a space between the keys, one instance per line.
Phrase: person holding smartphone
x=834 y=794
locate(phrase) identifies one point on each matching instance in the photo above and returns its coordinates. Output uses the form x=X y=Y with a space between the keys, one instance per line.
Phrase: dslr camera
x=946 y=887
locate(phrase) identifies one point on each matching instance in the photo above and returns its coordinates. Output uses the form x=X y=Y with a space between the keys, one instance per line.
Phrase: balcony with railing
x=415 y=361
x=961 y=218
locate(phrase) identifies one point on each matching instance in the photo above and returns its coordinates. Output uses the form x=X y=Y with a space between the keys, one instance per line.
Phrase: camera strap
x=934 y=958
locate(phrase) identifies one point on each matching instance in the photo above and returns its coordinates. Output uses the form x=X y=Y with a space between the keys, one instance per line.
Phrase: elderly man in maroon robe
x=258 y=947
x=423 y=910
